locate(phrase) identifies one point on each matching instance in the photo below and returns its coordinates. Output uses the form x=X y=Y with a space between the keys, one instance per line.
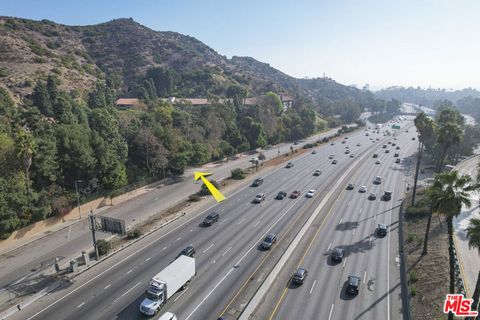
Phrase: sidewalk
x=469 y=257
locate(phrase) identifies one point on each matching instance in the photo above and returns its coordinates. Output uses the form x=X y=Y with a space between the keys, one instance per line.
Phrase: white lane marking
x=211 y=291
x=329 y=245
x=241 y=221
x=129 y=271
x=353 y=232
x=106 y=287
x=191 y=230
x=221 y=210
x=181 y=294
x=344 y=262
x=164 y=248
x=254 y=245
x=80 y=305
x=370 y=241
x=331 y=311
x=123 y=260
x=340 y=222
x=348 y=204
x=126 y=292
x=361 y=209
x=226 y=251
x=313 y=286
x=179 y=238
x=213 y=262
x=364 y=276
x=256 y=223
x=69 y=232
x=204 y=251
x=148 y=259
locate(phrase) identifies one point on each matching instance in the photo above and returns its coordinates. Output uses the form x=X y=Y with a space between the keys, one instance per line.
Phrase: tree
x=41 y=99
x=451 y=192
x=449 y=135
x=52 y=82
x=426 y=129
x=473 y=234
x=26 y=149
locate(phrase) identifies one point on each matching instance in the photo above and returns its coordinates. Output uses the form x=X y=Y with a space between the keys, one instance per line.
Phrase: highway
x=227 y=252
x=351 y=224
x=39 y=255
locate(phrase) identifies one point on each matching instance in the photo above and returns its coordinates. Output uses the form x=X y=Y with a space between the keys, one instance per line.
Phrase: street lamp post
x=78 y=198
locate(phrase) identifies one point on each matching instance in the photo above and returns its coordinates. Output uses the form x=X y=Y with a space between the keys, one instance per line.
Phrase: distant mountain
x=425 y=97
x=126 y=50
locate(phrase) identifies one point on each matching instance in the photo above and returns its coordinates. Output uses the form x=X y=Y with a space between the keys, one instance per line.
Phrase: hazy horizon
x=427 y=44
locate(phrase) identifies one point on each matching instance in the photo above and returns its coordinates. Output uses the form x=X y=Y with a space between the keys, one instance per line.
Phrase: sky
x=380 y=42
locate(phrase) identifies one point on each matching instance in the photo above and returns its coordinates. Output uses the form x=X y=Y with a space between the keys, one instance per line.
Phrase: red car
x=295 y=194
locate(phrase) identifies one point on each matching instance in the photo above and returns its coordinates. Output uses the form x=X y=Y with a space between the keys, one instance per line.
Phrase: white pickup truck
x=166 y=283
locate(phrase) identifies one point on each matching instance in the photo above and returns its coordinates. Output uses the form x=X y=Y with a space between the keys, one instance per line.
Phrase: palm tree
x=451 y=192
x=449 y=134
x=473 y=234
x=426 y=130
x=26 y=149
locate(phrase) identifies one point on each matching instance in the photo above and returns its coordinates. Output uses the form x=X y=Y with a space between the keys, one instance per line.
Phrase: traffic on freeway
x=231 y=244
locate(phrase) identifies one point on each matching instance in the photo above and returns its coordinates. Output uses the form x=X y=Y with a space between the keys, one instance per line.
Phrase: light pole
x=78 y=198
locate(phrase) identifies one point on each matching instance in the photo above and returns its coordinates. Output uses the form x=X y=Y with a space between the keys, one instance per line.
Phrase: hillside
x=82 y=55
x=426 y=97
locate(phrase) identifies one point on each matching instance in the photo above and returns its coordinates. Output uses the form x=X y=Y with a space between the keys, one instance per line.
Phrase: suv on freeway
x=299 y=276
x=269 y=241
x=377 y=180
x=211 y=219
x=257 y=182
x=387 y=195
x=281 y=195
x=337 y=254
x=382 y=230
x=353 y=285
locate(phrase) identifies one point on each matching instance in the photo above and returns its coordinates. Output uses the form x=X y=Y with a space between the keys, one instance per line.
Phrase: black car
x=375 y=155
x=211 y=219
x=257 y=182
x=396 y=155
x=351 y=186
x=188 y=251
x=269 y=241
x=382 y=230
x=299 y=276
x=289 y=165
x=281 y=195
x=353 y=284
x=337 y=254
x=387 y=195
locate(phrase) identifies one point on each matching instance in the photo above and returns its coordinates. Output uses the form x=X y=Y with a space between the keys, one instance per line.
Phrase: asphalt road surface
x=351 y=225
x=227 y=252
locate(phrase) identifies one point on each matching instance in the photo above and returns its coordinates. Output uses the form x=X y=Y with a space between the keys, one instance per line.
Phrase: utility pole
x=419 y=156
x=78 y=199
x=92 y=227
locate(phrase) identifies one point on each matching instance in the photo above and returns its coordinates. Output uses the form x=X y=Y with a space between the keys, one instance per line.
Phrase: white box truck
x=166 y=283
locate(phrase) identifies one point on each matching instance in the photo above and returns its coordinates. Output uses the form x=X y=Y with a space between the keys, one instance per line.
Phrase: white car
x=168 y=316
x=362 y=189
x=310 y=193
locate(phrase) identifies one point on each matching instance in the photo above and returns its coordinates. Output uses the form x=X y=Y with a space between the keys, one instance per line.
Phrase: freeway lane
x=117 y=292
x=352 y=225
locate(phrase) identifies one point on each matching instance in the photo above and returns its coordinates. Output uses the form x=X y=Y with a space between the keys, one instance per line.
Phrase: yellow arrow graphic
x=214 y=191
